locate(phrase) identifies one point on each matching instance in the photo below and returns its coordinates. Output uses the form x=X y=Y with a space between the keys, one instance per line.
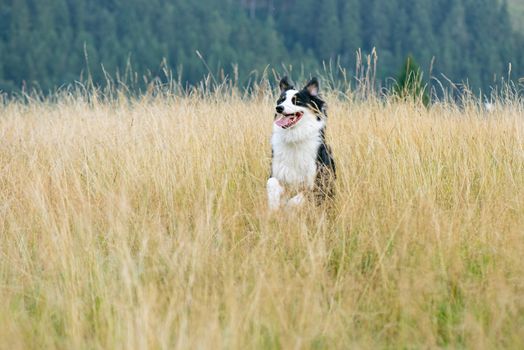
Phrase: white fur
x=274 y=192
x=288 y=105
x=296 y=201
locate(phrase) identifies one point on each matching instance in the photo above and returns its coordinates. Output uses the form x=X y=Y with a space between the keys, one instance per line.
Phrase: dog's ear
x=285 y=85
x=312 y=87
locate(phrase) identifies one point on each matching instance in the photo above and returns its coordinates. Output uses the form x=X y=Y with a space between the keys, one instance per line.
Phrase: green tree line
x=48 y=44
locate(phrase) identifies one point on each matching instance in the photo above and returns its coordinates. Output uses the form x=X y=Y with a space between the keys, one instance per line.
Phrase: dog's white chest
x=294 y=164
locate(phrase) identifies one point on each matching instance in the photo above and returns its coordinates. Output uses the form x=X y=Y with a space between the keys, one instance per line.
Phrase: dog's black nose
x=280 y=109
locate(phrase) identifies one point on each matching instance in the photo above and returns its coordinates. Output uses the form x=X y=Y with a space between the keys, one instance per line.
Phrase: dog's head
x=296 y=106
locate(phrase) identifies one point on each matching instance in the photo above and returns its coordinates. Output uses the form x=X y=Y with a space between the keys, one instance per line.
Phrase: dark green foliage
x=410 y=83
x=43 y=43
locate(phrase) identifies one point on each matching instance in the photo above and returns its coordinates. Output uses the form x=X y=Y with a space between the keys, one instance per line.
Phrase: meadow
x=134 y=223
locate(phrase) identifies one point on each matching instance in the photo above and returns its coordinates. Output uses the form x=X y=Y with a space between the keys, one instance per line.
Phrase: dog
x=302 y=164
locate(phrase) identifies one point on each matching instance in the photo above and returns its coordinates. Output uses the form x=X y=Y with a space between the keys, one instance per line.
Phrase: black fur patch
x=304 y=99
x=326 y=172
x=285 y=84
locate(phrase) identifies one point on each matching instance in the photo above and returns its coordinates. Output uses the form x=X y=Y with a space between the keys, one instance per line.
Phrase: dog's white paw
x=296 y=201
x=274 y=192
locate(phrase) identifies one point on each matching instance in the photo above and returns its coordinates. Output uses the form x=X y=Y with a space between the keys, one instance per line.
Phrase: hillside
x=45 y=44
x=517 y=11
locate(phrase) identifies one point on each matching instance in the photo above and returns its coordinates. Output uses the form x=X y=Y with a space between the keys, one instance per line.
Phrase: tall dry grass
x=142 y=223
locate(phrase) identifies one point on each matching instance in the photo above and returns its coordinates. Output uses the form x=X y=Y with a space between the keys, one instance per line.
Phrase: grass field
x=143 y=224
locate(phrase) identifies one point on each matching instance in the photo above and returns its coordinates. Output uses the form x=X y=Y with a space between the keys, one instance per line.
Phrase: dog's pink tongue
x=283 y=122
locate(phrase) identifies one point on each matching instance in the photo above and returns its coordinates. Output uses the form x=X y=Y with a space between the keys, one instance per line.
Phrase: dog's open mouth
x=286 y=121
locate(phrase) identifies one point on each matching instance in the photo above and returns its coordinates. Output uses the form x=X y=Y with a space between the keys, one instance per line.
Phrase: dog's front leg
x=274 y=192
x=296 y=201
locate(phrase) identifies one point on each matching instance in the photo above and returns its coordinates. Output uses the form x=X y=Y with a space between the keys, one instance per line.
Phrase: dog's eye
x=294 y=100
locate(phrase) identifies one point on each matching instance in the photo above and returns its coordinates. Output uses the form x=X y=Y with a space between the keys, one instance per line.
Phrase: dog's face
x=296 y=106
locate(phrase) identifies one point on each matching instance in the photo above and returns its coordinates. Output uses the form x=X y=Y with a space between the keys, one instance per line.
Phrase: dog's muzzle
x=286 y=121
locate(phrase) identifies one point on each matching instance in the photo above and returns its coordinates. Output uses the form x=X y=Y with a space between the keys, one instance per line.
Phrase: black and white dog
x=302 y=163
